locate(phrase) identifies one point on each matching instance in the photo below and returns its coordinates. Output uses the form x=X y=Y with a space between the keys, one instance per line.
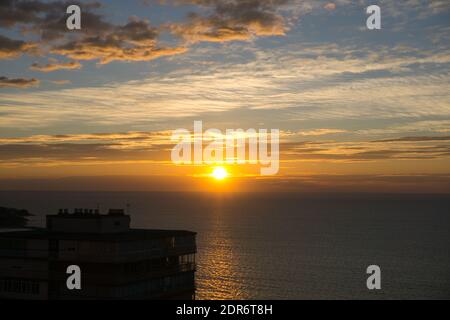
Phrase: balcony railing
x=121 y=278
x=123 y=255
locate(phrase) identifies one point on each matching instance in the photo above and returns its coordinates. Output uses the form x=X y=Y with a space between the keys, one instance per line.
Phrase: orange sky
x=356 y=109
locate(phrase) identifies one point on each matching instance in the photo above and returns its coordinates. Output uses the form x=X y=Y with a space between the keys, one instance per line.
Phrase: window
x=19 y=286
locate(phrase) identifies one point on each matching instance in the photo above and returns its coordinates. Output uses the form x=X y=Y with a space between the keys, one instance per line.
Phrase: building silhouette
x=116 y=262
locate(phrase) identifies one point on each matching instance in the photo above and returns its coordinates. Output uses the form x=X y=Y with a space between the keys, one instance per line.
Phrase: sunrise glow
x=219 y=173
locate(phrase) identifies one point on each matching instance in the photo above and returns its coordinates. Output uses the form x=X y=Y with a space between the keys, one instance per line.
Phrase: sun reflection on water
x=222 y=281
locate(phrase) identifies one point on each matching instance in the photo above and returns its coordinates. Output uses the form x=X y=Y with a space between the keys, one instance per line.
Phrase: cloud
x=417 y=139
x=412 y=127
x=111 y=153
x=53 y=26
x=300 y=82
x=156 y=146
x=411 y=148
x=18 y=82
x=127 y=147
x=14 y=12
x=48 y=18
x=10 y=48
x=72 y=65
x=212 y=21
x=97 y=40
x=231 y=20
x=439 y=6
x=151 y=137
x=320 y=132
x=61 y=82
x=134 y=41
x=330 y=6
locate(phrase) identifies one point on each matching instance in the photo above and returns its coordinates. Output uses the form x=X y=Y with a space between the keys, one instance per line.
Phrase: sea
x=289 y=245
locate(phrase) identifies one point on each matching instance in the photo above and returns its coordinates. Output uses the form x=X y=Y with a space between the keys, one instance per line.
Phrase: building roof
x=131 y=235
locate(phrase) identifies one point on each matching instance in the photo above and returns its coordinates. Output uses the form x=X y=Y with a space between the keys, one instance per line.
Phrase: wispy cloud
x=134 y=41
x=412 y=127
x=55 y=65
x=231 y=20
x=348 y=101
x=320 y=132
x=309 y=82
x=155 y=146
x=61 y=82
x=408 y=148
x=330 y=6
x=6 y=82
x=54 y=150
x=10 y=48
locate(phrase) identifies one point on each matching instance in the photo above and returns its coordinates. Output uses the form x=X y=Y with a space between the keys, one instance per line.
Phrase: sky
x=358 y=109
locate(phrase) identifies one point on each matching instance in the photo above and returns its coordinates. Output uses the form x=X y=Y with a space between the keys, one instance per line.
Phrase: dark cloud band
x=6 y=82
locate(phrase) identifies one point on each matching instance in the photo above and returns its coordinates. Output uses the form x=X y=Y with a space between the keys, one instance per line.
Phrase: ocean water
x=290 y=246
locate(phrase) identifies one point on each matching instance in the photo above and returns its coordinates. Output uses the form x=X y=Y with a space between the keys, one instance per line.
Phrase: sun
x=219 y=173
